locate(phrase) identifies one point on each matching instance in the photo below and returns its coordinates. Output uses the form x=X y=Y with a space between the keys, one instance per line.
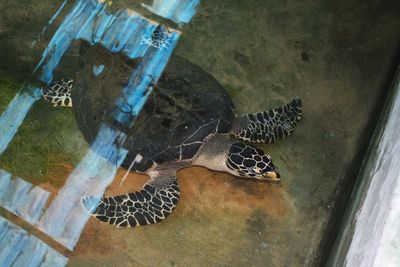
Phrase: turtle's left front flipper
x=150 y=205
x=268 y=126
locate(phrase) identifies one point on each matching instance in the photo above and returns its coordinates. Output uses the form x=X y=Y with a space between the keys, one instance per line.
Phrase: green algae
x=47 y=145
x=8 y=89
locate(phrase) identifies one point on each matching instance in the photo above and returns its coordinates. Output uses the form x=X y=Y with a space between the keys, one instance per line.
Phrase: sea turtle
x=188 y=120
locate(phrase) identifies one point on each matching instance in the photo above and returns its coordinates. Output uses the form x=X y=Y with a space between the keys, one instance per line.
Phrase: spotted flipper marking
x=59 y=93
x=268 y=126
x=159 y=38
x=150 y=205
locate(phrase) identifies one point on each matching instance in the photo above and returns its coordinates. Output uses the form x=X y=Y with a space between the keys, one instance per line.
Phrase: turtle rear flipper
x=150 y=205
x=268 y=126
x=59 y=93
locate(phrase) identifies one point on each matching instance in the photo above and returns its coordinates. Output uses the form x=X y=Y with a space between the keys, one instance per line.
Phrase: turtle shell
x=186 y=105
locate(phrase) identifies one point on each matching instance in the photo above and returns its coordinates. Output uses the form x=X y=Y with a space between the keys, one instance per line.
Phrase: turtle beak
x=274 y=175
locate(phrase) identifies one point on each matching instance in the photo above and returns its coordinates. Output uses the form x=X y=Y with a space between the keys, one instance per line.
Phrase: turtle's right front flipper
x=59 y=93
x=268 y=126
x=150 y=205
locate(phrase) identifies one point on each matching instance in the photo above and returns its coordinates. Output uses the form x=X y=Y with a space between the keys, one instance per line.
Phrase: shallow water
x=335 y=55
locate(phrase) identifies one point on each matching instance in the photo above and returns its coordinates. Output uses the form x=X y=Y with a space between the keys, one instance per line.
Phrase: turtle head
x=248 y=161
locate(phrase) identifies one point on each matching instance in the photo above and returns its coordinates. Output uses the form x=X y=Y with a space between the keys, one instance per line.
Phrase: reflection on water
x=18 y=248
x=124 y=32
x=15 y=114
x=179 y=11
x=65 y=219
x=21 y=198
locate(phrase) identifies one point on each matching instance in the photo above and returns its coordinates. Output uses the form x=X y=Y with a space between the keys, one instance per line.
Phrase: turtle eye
x=255 y=170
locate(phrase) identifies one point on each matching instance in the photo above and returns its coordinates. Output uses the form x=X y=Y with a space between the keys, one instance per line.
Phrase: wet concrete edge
x=347 y=185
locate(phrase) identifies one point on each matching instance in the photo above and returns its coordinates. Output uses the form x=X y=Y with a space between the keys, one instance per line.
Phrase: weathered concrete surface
x=335 y=55
x=370 y=234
